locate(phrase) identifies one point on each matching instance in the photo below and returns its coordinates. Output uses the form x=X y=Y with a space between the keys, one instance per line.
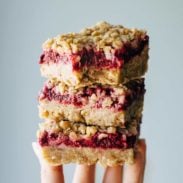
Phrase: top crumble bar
x=104 y=53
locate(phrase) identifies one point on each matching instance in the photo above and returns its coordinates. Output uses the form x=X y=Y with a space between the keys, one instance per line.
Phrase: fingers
x=37 y=151
x=132 y=173
x=84 y=173
x=113 y=174
x=135 y=173
x=48 y=173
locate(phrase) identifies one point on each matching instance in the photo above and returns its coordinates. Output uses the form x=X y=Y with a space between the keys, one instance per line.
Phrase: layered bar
x=93 y=99
x=102 y=105
x=68 y=142
x=104 y=54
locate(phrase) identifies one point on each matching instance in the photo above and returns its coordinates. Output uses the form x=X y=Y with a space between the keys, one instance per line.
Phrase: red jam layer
x=116 y=140
x=96 y=58
x=136 y=91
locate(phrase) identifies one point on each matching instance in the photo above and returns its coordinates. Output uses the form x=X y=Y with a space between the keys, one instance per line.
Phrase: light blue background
x=25 y=25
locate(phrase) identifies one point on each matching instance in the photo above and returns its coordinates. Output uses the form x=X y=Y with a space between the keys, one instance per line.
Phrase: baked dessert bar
x=68 y=142
x=103 y=105
x=92 y=101
x=104 y=54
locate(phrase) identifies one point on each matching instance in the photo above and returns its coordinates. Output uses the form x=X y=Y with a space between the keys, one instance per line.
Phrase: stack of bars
x=92 y=101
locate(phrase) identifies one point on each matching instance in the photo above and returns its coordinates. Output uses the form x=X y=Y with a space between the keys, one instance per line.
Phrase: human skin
x=84 y=173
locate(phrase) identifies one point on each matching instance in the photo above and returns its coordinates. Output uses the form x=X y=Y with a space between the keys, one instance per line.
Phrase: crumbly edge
x=78 y=130
x=90 y=95
x=101 y=36
x=135 y=68
x=106 y=157
x=116 y=91
x=103 y=117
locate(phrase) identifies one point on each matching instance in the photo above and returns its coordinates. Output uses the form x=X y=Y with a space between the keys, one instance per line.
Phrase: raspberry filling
x=136 y=91
x=108 y=140
x=94 y=58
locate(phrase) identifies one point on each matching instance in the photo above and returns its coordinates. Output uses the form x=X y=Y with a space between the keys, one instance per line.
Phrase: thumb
x=37 y=151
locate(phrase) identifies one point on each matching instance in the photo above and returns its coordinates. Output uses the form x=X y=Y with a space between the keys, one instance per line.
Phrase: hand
x=86 y=174
x=129 y=173
x=49 y=174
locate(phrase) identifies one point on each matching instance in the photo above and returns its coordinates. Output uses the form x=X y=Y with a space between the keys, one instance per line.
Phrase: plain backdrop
x=25 y=25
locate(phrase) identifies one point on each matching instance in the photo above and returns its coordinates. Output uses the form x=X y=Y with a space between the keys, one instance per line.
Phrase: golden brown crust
x=106 y=157
x=101 y=36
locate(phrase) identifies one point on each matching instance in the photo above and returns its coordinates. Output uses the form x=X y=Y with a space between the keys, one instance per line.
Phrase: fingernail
x=142 y=145
x=143 y=141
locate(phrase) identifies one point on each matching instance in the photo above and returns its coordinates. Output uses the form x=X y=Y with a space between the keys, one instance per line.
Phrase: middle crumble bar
x=102 y=105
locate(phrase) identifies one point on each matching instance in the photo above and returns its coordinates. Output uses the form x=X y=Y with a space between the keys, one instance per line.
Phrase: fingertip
x=35 y=148
x=33 y=144
x=141 y=146
x=143 y=141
